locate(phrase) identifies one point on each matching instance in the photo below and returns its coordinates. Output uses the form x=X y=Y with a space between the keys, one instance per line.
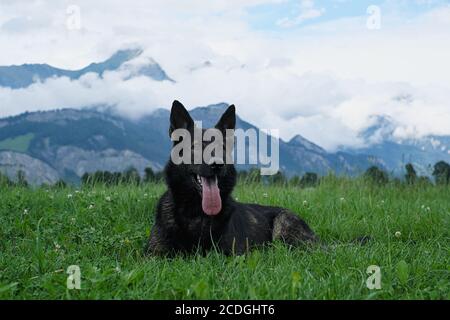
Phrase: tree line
x=441 y=175
x=309 y=179
x=374 y=175
x=130 y=176
x=20 y=181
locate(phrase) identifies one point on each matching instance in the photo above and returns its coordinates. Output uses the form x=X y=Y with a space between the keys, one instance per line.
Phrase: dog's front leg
x=157 y=245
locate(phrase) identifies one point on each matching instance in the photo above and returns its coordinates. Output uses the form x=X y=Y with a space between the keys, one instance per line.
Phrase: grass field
x=103 y=230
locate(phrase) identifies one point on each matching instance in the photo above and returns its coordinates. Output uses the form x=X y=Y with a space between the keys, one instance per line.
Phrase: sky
x=322 y=69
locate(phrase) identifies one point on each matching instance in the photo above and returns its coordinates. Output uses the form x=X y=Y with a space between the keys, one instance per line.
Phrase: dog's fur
x=181 y=224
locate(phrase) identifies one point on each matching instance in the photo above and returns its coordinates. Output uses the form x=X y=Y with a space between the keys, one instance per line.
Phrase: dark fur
x=182 y=226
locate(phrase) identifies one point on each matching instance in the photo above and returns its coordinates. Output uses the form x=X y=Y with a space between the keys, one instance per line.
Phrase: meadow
x=103 y=230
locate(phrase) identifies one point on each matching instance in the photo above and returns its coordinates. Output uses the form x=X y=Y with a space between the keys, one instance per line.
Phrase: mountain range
x=395 y=153
x=16 y=77
x=66 y=143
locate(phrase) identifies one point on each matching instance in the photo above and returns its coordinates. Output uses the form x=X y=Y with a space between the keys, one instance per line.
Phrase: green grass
x=103 y=231
x=19 y=143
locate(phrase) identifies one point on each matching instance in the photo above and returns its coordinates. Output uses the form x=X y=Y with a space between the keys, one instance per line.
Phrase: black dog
x=198 y=213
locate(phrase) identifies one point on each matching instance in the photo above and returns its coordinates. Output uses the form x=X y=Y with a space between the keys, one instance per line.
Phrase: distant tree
x=441 y=173
x=411 y=175
x=278 y=179
x=149 y=175
x=309 y=179
x=102 y=177
x=4 y=180
x=98 y=177
x=21 y=179
x=159 y=176
x=376 y=175
x=116 y=178
x=132 y=176
x=397 y=182
x=295 y=181
x=86 y=179
x=424 y=181
x=60 y=184
x=108 y=178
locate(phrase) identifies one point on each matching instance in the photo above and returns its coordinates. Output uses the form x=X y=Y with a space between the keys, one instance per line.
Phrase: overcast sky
x=317 y=68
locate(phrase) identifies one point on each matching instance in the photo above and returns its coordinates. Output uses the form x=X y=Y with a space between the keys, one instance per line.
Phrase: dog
x=198 y=213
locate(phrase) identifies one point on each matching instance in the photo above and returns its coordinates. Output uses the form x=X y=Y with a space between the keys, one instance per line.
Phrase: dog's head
x=210 y=180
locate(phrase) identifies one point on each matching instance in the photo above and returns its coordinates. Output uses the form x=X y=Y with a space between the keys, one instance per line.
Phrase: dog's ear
x=180 y=118
x=228 y=119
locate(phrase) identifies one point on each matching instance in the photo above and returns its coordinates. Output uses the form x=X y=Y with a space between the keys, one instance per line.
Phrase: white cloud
x=307 y=10
x=323 y=81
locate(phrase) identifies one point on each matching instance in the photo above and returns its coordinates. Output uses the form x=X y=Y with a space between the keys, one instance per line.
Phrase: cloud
x=308 y=10
x=324 y=80
x=21 y=24
x=327 y=110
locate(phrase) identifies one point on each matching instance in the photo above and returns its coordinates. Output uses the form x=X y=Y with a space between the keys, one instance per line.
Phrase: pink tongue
x=211 y=202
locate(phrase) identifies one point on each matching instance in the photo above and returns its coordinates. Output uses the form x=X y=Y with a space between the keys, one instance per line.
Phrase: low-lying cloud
x=327 y=110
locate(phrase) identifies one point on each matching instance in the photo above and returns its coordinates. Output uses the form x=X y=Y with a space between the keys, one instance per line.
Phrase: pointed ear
x=180 y=118
x=228 y=119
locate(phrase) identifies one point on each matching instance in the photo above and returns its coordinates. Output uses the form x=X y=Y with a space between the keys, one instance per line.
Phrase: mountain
x=67 y=143
x=73 y=142
x=298 y=155
x=22 y=76
x=381 y=141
